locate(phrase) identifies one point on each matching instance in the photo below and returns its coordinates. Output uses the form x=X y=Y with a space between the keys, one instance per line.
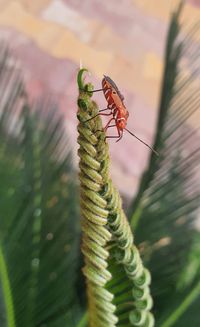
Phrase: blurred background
x=124 y=41
x=154 y=58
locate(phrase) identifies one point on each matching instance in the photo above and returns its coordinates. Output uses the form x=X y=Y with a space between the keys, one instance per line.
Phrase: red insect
x=117 y=110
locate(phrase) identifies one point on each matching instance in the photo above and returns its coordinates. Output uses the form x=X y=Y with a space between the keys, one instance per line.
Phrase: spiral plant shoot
x=117 y=283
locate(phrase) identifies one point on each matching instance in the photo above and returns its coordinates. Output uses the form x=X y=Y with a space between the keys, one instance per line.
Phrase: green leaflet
x=184 y=305
x=4 y=278
x=112 y=262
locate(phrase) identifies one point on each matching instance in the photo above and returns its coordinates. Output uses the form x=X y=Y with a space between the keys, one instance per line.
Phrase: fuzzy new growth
x=107 y=243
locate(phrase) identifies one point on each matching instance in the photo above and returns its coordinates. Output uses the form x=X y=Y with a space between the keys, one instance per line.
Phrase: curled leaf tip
x=88 y=88
x=80 y=79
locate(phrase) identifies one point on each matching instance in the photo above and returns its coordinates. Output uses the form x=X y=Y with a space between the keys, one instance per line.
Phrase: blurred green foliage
x=39 y=223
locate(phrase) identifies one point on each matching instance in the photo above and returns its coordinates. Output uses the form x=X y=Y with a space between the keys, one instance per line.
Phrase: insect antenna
x=142 y=142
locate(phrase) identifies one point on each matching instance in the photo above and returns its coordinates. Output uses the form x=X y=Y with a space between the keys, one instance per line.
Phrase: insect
x=116 y=109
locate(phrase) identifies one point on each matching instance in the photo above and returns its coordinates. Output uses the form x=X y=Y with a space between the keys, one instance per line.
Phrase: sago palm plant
x=39 y=231
x=41 y=283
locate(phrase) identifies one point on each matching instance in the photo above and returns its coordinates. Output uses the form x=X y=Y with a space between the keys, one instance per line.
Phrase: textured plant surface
x=112 y=262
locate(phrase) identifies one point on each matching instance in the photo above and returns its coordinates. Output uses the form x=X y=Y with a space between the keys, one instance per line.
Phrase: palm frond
x=165 y=208
x=39 y=231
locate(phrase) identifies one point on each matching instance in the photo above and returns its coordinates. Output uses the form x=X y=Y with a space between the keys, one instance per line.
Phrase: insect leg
x=107 y=125
x=104 y=109
x=99 y=115
x=111 y=126
x=91 y=90
x=99 y=90
x=119 y=136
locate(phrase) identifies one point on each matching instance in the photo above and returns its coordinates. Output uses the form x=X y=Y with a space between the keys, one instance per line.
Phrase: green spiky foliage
x=165 y=208
x=39 y=231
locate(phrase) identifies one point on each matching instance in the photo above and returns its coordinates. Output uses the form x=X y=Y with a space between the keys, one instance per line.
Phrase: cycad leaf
x=117 y=282
x=39 y=232
x=167 y=202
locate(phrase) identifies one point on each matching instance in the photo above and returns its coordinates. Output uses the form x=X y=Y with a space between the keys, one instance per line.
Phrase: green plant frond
x=164 y=211
x=172 y=55
x=117 y=282
x=39 y=230
x=6 y=292
x=183 y=308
